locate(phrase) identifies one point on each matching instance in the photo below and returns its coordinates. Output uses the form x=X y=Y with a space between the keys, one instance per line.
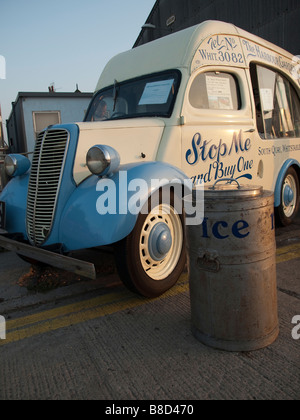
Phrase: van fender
x=99 y=212
x=280 y=178
x=15 y=197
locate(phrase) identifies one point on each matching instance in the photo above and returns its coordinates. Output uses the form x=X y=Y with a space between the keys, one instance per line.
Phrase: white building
x=33 y=111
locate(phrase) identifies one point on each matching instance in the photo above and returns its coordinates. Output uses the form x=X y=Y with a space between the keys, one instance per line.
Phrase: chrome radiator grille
x=46 y=172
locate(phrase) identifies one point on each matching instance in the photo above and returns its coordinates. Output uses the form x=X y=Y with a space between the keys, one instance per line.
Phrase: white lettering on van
x=296 y=330
x=2 y=328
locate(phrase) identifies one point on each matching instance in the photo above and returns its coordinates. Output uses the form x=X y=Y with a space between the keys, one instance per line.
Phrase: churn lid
x=232 y=189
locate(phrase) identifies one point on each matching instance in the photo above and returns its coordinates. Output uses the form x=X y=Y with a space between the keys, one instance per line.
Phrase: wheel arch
x=81 y=226
x=288 y=164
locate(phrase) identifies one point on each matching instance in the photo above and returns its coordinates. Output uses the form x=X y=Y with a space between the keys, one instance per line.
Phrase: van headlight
x=102 y=160
x=16 y=165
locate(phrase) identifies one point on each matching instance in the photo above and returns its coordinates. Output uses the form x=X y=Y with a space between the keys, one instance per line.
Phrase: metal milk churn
x=232 y=269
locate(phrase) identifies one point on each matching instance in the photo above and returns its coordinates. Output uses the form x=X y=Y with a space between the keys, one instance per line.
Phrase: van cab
x=208 y=103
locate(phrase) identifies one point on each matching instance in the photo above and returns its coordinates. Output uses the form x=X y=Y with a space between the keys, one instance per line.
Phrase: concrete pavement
x=96 y=340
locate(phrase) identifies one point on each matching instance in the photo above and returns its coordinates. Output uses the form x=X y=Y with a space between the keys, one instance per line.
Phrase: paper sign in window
x=219 y=93
x=267 y=99
x=156 y=93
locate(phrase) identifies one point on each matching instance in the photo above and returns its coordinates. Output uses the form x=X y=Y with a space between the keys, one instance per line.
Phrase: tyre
x=151 y=259
x=289 y=197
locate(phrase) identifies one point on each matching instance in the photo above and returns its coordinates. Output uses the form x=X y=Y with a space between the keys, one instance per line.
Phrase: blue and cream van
x=204 y=104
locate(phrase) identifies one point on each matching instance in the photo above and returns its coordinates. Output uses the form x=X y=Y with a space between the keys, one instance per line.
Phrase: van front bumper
x=82 y=268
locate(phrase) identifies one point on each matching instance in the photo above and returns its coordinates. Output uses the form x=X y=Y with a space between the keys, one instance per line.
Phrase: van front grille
x=44 y=183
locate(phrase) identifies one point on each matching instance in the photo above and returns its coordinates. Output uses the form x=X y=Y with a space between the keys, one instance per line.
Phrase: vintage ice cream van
x=204 y=104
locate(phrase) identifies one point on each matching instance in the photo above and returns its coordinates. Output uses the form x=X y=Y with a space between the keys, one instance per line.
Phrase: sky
x=65 y=42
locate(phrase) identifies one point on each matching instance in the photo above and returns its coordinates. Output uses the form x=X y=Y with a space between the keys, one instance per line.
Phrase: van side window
x=296 y=110
x=215 y=90
x=277 y=104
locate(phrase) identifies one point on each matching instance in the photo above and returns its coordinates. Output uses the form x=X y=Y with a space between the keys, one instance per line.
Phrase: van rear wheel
x=289 y=205
x=151 y=259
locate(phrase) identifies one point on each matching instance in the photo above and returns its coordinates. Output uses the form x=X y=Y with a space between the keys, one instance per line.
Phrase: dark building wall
x=277 y=21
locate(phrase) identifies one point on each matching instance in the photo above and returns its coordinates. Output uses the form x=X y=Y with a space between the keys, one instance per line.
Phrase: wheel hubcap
x=289 y=196
x=160 y=241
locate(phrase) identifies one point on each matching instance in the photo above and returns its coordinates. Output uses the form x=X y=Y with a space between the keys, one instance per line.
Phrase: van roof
x=171 y=52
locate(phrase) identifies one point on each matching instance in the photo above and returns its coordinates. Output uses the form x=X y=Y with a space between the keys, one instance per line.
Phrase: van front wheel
x=151 y=259
x=289 y=196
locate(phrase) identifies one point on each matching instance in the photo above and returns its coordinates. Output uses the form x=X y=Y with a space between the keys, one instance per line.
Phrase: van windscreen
x=150 y=96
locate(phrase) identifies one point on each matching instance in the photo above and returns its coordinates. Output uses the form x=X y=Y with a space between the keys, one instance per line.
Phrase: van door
x=277 y=107
x=218 y=135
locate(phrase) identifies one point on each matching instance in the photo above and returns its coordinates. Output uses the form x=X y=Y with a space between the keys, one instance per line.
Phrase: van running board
x=82 y=268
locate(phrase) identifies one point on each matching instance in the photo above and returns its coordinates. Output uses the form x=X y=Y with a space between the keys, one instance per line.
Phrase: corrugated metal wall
x=277 y=21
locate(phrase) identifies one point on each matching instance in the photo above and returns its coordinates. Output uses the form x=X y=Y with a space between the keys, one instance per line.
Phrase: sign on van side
x=219 y=49
x=253 y=51
x=236 y=51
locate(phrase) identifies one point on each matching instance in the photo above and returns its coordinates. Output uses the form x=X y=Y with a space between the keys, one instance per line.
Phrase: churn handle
x=229 y=181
